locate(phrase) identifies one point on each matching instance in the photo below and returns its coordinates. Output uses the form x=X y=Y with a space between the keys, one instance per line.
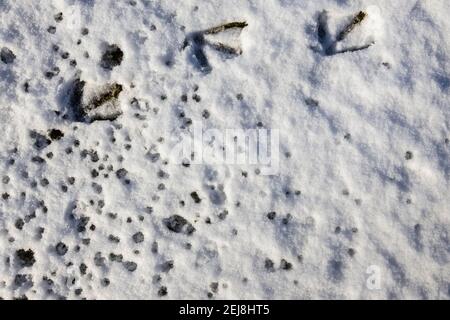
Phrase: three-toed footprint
x=340 y=33
x=224 y=38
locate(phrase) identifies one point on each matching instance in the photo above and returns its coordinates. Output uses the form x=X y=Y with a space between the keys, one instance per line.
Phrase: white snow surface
x=364 y=135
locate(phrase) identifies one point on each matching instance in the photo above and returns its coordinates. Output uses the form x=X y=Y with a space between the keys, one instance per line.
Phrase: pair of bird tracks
x=337 y=34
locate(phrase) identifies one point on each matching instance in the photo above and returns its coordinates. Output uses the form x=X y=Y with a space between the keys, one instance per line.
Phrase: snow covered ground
x=96 y=94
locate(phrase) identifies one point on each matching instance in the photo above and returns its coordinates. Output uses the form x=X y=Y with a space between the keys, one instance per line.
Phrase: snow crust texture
x=94 y=94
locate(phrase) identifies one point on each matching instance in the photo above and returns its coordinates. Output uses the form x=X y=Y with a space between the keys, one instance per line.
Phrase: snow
x=361 y=194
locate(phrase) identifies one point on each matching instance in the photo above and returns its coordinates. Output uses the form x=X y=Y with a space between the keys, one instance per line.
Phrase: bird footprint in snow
x=348 y=33
x=225 y=39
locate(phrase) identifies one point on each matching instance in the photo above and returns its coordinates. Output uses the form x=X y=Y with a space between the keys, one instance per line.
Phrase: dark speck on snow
x=7 y=56
x=55 y=134
x=178 y=224
x=130 y=266
x=25 y=257
x=61 y=249
x=138 y=237
x=112 y=57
